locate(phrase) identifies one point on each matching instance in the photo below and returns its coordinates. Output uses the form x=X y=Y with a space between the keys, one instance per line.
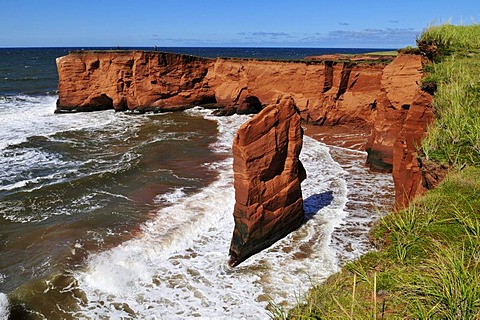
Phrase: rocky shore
x=381 y=97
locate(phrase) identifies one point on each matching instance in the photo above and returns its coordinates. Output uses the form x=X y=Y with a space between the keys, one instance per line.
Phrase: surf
x=177 y=266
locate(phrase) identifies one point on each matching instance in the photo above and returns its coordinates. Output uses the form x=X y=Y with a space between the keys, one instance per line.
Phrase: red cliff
x=122 y=80
x=403 y=114
x=399 y=82
x=326 y=93
x=408 y=176
x=267 y=177
x=377 y=95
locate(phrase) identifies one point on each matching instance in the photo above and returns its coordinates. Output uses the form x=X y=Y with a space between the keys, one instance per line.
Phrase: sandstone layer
x=409 y=178
x=267 y=177
x=403 y=114
x=326 y=93
x=399 y=82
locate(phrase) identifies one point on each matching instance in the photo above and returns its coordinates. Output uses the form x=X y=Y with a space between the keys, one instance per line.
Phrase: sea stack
x=267 y=177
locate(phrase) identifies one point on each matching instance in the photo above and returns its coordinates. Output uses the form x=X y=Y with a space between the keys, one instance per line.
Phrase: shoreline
x=352 y=138
x=362 y=209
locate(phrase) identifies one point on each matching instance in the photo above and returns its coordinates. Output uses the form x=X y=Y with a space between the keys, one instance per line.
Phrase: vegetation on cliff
x=454 y=138
x=427 y=262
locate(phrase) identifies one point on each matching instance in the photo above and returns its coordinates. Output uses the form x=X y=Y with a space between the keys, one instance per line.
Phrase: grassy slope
x=455 y=137
x=427 y=265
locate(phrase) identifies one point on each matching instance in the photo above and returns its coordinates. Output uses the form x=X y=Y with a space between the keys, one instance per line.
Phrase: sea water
x=108 y=215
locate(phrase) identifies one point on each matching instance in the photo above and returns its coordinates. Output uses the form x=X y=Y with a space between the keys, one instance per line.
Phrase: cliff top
x=455 y=52
x=383 y=58
x=127 y=51
x=380 y=57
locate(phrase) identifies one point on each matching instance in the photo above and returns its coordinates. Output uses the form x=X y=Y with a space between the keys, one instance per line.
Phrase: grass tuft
x=446 y=286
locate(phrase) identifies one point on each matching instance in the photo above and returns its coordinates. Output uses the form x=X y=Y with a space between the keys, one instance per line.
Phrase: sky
x=226 y=23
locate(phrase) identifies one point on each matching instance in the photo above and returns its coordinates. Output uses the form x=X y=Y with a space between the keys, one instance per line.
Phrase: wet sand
x=339 y=136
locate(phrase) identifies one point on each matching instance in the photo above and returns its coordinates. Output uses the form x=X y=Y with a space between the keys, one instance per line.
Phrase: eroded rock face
x=325 y=92
x=125 y=80
x=400 y=82
x=406 y=167
x=267 y=177
x=403 y=116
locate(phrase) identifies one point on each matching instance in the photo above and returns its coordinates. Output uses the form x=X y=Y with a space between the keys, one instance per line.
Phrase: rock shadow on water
x=313 y=204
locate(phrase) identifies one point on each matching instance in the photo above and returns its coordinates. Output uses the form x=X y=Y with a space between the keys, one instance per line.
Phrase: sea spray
x=4 y=307
x=37 y=118
x=177 y=267
x=84 y=182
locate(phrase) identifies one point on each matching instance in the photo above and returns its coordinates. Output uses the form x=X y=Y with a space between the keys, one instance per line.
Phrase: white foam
x=227 y=128
x=38 y=112
x=369 y=196
x=178 y=266
x=23 y=117
x=4 y=307
x=170 y=197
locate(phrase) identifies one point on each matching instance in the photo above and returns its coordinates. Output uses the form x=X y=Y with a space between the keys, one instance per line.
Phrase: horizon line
x=213 y=47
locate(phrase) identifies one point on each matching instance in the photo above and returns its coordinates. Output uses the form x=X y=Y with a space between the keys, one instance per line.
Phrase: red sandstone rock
x=407 y=172
x=124 y=80
x=267 y=177
x=400 y=82
x=404 y=112
x=326 y=93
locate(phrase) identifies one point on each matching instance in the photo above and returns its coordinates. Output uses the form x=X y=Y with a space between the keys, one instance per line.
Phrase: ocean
x=108 y=215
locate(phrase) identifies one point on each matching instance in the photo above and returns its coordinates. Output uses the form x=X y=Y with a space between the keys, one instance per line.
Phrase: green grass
x=448 y=39
x=427 y=262
x=454 y=139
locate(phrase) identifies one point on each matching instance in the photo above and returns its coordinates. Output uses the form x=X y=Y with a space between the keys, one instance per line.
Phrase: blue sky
x=247 y=23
